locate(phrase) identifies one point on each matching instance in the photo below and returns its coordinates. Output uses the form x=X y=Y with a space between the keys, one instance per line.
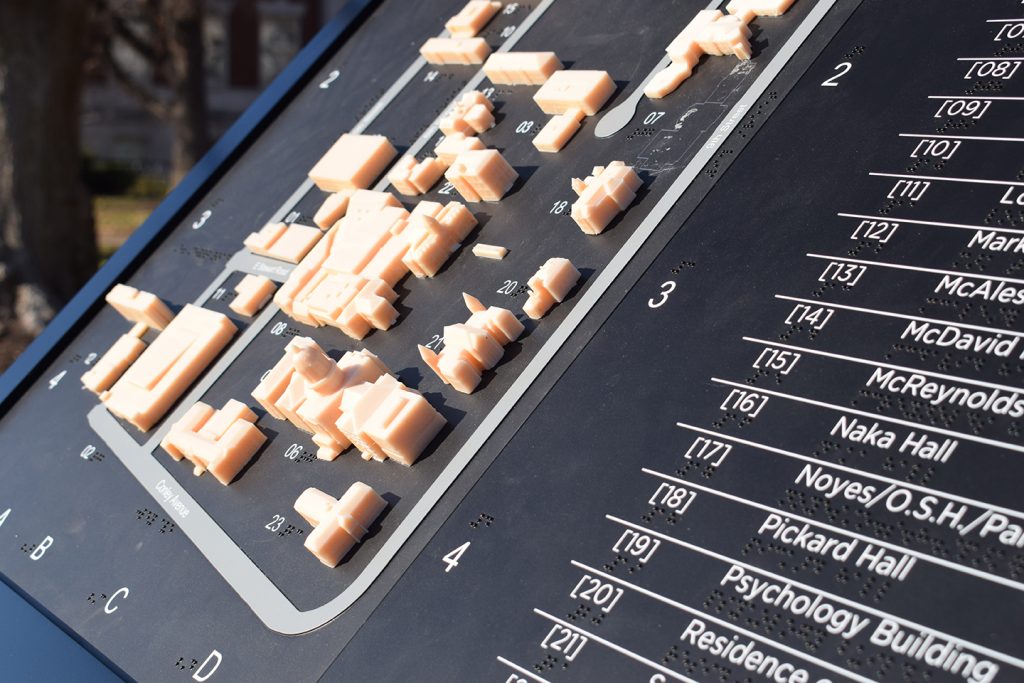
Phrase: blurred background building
x=104 y=106
x=245 y=44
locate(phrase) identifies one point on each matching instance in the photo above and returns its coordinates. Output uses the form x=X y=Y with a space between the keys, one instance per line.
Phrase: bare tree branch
x=125 y=31
x=167 y=35
x=150 y=100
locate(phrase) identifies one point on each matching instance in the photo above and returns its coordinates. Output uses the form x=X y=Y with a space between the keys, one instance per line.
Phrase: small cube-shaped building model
x=189 y=343
x=283 y=241
x=339 y=523
x=306 y=388
x=566 y=90
x=481 y=175
x=138 y=306
x=353 y=162
x=455 y=50
x=471 y=18
x=603 y=195
x=549 y=285
x=495 y=252
x=387 y=419
x=728 y=35
x=521 y=68
x=412 y=177
x=470 y=114
x=251 y=294
x=112 y=364
x=221 y=441
x=472 y=347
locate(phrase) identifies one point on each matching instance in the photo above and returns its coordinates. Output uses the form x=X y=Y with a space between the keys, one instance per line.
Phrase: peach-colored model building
x=306 y=387
x=221 y=441
x=162 y=373
x=112 y=364
x=455 y=144
x=550 y=285
x=411 y=177
x=354 y=401
x=433 y=234
x=521 y=68
x=353 y=162
x=713 y=33
x=481 y=175
x=472 y=347
x=387 y=419
x=472 y=18
x=338 y=523
x=558 y=131
x=347 y=280
x=570 y=96
x=251 y=294
x=566 y=90
x=332 y=209
x=455 y=50
x=138 y=306
x=494 y=252
x=748 y=9
x=471 y=113
x=603 y=195
x=283 y=241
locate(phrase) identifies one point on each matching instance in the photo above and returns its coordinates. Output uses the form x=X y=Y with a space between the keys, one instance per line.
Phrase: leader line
x=853 y=470
x=879 y=364
x=940 y=224
x=975 y=97
x=981 y=138
x=874 y=416
x=966 y=644
x=919 y=269
x=924 y=557
x=948 y=179
x=732 y=627
x=902 y=316
x=518 y=669
x=617 y=648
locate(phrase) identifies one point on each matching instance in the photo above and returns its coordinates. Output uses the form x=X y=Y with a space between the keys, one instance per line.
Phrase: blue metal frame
x=183 y=198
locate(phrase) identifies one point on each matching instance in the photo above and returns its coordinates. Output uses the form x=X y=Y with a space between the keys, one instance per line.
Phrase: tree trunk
x=188 y=98
x=47 y=240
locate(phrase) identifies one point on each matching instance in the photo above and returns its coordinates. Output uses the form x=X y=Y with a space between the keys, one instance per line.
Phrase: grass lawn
x=116 y=219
